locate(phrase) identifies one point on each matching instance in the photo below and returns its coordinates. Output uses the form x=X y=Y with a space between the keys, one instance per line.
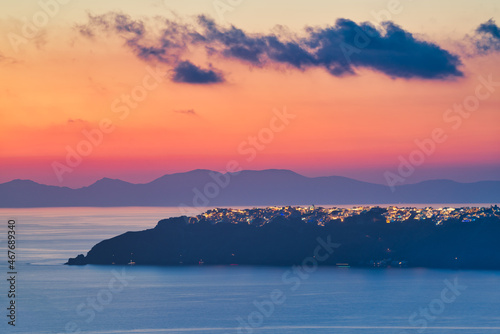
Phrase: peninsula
x=361 y=237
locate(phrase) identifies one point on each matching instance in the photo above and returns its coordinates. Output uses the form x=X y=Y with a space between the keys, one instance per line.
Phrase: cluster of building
x=322 y=215
x=439 y=215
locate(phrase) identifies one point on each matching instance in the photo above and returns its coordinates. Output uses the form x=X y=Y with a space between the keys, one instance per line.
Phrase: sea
x=54 y=298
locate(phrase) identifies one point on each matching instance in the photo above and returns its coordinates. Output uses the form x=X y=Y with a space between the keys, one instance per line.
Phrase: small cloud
x=7 y=60
x=76 y=121
x=187 y=72
x=96 y=86
x=488 y=36
x=489 y=27
x=190 y=112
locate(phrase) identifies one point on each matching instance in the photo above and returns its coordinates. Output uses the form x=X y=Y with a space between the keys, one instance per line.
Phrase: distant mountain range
x=247 y=188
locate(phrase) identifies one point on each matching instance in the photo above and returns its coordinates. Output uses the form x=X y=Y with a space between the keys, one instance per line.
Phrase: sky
x=390 y=92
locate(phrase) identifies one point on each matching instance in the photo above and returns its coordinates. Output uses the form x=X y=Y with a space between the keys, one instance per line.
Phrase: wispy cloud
x=162 y=45
x=76 y=121
x=6 y=60
x=189 y=112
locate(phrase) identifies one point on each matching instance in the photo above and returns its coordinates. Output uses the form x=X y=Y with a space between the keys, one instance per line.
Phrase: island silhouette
x=465 y=238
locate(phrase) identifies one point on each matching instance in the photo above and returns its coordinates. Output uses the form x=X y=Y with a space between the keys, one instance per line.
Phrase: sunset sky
x=139 y=89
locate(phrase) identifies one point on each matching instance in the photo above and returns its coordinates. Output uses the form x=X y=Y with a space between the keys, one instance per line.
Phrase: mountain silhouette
x=247 y=188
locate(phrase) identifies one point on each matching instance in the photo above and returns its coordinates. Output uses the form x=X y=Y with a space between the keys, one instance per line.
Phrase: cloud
x=394 y=51
x=488 y=37
x=189 y=112
x=74 y=121
x=7 y=60
x=256 y=49
x=341 y=49
x=113 y=22
x=164 y=44
x=187 y=72
x=490 y=27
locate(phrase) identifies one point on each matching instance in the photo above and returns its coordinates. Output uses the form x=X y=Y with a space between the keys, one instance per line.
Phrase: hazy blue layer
x=110 y=299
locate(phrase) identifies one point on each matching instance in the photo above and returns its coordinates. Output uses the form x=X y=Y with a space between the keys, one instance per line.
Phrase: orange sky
x=355 y=126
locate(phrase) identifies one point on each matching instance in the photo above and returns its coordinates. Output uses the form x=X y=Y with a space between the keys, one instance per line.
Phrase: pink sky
x=62 y=85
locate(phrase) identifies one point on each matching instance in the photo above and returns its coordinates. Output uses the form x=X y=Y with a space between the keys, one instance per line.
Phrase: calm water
x=52 y=298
